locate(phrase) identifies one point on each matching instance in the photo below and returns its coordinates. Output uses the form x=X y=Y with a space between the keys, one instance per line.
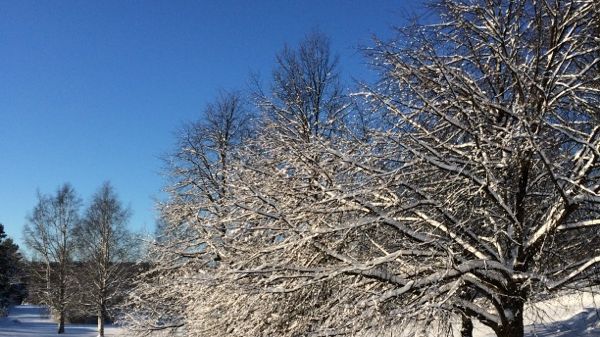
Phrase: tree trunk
x=61 y=300
x=466 y=326
x=61 y=322
x=512 y=324
x=48 y=286
x=100 y=323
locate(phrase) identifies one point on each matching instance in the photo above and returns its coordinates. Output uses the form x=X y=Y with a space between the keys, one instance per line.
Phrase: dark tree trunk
x=61 y=300
x=101 y=320
x=466 y=326
x=512 y=323
x=100 y=324
x=61 y=322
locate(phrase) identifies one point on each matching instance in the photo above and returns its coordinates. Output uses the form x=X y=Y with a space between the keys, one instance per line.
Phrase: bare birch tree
x=105 y=249
x=48 y=234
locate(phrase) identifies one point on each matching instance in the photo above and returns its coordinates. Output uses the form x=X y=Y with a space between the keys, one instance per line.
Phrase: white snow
x=570 y=315
x=32 y=321
x=567 y=316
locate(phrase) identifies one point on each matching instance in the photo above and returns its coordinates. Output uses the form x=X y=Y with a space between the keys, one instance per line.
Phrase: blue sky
x=95 y=90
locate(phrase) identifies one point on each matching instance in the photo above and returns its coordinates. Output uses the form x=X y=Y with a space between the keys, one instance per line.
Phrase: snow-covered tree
x=198 y=174
x=477 y=191
x=49 y=235
x=105 y=249
x=304 y=106
x=496 y=111
x=479 y=194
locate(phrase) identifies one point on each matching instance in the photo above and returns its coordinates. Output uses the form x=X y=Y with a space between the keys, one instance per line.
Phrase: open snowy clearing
x=32 y=321
x=568 y=316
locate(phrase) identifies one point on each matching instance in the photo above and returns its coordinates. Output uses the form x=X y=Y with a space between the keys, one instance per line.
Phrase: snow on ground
x=570 y=315
x=33 y=321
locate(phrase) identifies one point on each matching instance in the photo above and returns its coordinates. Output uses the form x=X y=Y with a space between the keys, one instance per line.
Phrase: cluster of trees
x=463 y=185
x=12 y=272
x=82 y=262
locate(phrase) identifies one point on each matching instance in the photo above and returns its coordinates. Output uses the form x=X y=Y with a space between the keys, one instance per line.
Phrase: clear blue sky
x=94 y=90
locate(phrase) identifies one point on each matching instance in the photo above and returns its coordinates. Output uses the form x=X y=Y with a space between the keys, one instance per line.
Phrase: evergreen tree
x=10 y=271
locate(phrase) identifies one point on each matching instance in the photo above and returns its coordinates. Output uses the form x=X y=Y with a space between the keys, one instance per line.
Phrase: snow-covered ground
x=32 y=321
x=567 y=316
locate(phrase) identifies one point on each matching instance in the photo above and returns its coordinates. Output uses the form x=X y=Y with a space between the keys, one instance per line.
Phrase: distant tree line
x=460 y=186
x=83 y=262
x=12 y=273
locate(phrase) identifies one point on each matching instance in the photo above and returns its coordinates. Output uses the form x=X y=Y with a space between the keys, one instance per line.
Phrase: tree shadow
x=585 y=323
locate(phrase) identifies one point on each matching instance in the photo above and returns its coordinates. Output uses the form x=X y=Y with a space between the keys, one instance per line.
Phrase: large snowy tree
x=496 y=113
x=476 y=191
x=479 y=194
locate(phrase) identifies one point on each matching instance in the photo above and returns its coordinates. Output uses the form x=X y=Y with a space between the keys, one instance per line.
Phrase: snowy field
x=31 y=321
x=568 y=316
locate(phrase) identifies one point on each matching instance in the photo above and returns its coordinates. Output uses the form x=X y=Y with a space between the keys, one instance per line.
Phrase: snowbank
x=33 y=321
